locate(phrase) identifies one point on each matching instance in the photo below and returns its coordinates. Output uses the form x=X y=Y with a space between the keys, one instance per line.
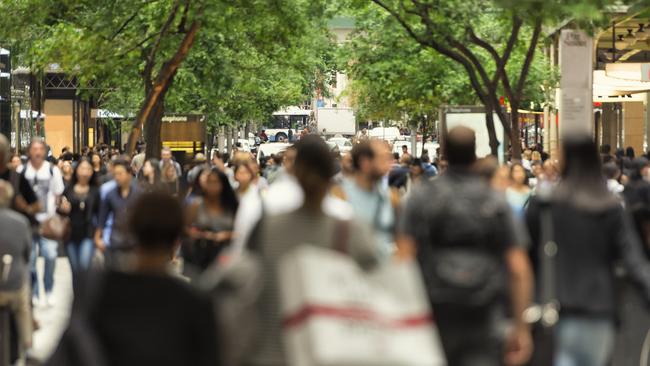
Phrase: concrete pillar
x=553 y=136
x=633 y=126
x=646 y=122
x=228 y=136
x=610 y=125
x=221 y=140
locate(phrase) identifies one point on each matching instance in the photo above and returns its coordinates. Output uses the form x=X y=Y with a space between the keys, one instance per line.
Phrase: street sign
x=576 y=83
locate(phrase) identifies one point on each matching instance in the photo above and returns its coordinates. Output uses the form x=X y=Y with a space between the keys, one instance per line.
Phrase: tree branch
x=161 y=34
x=501 y=66
x=530 y=54
x=181 y=25
x=483 y=44
x=402 y=22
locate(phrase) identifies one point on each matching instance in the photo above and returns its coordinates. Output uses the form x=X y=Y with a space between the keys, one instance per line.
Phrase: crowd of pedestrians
x=491 y=242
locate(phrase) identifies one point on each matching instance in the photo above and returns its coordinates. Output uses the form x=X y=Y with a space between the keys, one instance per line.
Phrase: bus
x=293 y=119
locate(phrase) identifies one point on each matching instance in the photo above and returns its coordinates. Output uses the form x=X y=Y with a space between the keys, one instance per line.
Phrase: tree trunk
x=228 y=139
x=163 y=80
x=492 y=133
x=153 y=127
x=515 y=139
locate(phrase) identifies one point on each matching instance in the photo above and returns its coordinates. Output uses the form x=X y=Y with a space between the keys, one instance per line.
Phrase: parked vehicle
x=272 y=148
x=344 y=144
x=384 y=133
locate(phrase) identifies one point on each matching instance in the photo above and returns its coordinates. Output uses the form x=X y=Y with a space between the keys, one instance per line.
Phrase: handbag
x=235 y=288
x=335 y=313
x=545 y=315
x=56 y=228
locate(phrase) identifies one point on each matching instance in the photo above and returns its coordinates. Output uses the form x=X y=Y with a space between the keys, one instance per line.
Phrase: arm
x=27 y=251
x=629 y=249
x=104 y=211
x=409 y=221
x=521 y=283
x=519 y=345
x=26 y=200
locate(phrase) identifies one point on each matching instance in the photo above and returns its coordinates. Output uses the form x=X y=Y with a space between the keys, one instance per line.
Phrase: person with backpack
x=473 y=259
x=24 y=199
x=46 y=181
x=591 y=234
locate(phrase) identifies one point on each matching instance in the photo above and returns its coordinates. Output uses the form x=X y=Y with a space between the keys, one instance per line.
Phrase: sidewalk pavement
x=53 y=320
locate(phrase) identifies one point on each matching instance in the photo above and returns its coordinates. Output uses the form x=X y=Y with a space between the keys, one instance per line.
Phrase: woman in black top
x=98 y=165
x=80 y=202
x=592 y=232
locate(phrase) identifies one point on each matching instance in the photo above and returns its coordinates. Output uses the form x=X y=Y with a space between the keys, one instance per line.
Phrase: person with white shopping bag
x=318 y=304
x=473 y=262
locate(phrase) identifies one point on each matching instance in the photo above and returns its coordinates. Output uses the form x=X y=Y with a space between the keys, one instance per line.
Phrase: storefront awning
x=607 y=86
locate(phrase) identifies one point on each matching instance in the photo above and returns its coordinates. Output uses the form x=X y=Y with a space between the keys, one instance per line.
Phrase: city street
x=334 y=182
x=53 y=320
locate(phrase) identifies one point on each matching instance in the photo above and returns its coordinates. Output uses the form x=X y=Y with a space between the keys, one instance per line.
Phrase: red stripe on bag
x=310 y=311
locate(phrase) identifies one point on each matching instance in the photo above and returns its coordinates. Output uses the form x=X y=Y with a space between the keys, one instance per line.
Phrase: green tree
x=482 y=36
x=135 y=50
x=392 y=76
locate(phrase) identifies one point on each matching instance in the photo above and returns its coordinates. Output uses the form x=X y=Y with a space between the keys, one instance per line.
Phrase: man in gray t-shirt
x=15 y=247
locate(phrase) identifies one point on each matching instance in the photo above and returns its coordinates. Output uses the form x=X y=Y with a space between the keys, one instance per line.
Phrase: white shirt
x=47 y=186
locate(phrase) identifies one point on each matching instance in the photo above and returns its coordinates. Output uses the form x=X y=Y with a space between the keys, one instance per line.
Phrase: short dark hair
x=362 y=150
x=156 y=221
x=313 y=153
x=460 y=146
x=123 y=163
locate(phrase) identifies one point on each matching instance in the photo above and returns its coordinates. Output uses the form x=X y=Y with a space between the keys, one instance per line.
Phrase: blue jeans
x=583 y=341
x=48 y=250
x=80 y=254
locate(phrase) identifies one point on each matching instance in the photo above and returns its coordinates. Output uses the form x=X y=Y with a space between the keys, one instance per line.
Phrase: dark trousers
x=470 y=339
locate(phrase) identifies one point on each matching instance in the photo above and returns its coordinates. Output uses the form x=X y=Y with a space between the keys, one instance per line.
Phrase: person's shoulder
x=16 y=220
x=168 y=285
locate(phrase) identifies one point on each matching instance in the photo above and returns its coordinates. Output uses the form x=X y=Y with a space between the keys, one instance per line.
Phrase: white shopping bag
x=337 y=314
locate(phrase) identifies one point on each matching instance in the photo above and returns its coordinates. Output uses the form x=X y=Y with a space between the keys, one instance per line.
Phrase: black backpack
x=461 y=266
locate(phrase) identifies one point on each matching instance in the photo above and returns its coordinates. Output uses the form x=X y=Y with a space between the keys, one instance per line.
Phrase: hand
x=65 y=206
x=99 y=244
x=196 y=234
x=222 y=236
x=519 y=347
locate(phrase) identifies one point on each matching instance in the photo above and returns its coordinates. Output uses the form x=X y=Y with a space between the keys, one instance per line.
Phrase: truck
x=336 y=121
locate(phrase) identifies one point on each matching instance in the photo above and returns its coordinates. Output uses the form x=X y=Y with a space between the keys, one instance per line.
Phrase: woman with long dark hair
x=80 y=201
x=590 y=231
x=149 y=177
x=210 y=220
x=98 y=165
